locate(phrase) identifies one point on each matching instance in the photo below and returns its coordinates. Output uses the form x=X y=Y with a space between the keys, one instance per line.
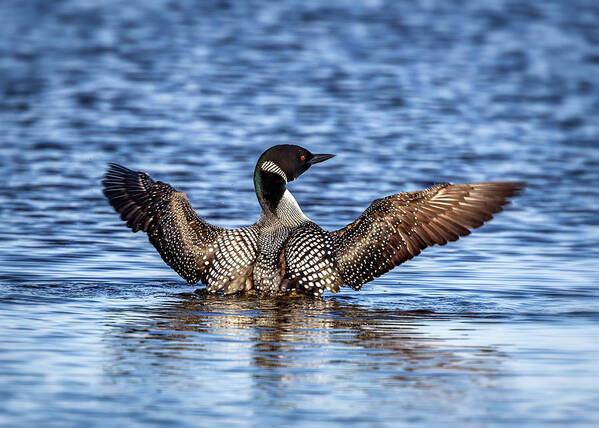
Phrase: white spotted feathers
x=310 y=263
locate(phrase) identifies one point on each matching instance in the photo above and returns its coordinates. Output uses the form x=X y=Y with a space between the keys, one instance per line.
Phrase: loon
x=285 y=252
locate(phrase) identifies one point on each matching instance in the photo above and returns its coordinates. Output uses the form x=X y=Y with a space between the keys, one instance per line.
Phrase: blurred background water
x=500 y=328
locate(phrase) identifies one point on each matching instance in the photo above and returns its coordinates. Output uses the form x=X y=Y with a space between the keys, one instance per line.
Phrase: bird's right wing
x=396 y=228
x=198 y=251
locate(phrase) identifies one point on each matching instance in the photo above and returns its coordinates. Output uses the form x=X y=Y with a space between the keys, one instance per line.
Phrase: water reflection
x=262 y=336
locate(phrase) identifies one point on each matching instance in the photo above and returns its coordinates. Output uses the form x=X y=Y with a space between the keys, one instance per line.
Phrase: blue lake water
x=500 y=328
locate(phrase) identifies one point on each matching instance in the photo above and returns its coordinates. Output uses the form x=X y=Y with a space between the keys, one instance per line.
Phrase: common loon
x=284 y=251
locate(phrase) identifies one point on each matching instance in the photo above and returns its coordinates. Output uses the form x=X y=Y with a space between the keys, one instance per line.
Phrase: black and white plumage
x=284 y=251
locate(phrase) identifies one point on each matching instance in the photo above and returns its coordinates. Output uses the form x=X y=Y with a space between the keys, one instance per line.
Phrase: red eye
x=302 y=157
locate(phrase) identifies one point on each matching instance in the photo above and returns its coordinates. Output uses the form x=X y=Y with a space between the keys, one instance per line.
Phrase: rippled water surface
x=500 y=328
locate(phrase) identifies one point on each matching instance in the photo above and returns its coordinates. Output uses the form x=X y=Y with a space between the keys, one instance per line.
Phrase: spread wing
x=396 y=228
x=198 y=251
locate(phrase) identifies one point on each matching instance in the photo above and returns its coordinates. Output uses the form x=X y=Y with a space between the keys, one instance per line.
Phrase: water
x=500 y=328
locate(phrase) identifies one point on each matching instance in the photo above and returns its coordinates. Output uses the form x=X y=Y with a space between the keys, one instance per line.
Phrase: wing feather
x=198 y=251
x=397 y=228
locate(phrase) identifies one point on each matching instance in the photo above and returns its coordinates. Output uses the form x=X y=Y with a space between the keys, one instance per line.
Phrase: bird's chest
x=269 y=269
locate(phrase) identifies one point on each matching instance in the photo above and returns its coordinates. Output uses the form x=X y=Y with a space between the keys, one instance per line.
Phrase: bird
x=284 y=252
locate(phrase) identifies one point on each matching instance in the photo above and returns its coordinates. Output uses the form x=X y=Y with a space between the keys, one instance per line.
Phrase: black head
x=279 y=165
x=288 y=161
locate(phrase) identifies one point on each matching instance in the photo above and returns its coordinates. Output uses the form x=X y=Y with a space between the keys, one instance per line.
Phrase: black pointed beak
x=319 y=158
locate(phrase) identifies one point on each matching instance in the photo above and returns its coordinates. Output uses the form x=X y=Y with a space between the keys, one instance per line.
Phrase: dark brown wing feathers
x=198 y=251
x=173 y=227
x=396 y=228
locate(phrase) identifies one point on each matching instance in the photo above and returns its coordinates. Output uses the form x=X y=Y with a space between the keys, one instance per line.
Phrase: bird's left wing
x=396 y=228
x=198 y=251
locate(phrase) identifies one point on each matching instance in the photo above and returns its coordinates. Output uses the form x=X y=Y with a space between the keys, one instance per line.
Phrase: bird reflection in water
x=282 y=339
